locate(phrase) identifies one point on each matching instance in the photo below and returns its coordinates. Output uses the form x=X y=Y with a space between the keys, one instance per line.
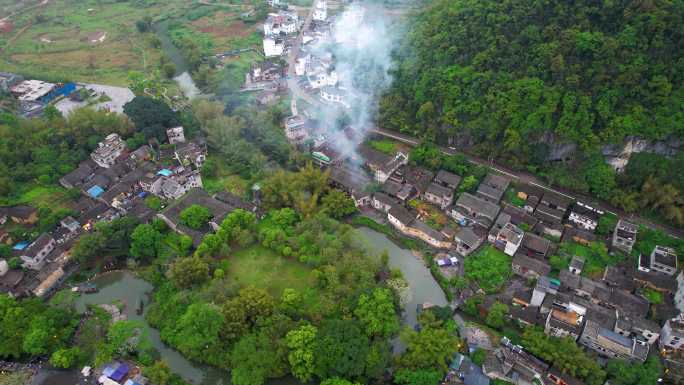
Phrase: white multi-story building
x=33 y=257
x=108 y=150
x=321 y=11
x=672 y=334
x=334 y=95
x=273 y=46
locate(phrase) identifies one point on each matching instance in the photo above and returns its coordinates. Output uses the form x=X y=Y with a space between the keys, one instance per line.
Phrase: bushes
x=489 y=268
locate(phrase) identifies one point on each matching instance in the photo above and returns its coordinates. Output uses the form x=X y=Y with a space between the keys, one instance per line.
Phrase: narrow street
x=292 y=83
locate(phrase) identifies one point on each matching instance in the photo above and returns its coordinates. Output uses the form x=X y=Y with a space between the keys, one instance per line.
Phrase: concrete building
x=624 y=236
x=273 y=46
x=565 y=320
x=584 y=216
x=108 y=151
x=439 y=195
x=664 y=260
x=509 y=239
x=471 y=209
x=176 y=135
x=672 y=334
x=610 y=344
x=33 y=256
x=320 y=10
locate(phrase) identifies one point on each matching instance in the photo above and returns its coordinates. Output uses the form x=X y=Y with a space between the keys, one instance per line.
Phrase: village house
x=663 y=259
x=637 y=327
x=439 y=195
x=407 y=222
x=565 y=320
x=471 y=209
x=544 y=286
x=417 y=177
x=576 y=265
x=383 y=202
x=529 y=267
x=81 y=175
x=353 y=183
x=10 y=279
x=24 y=215
x=296 y=130
x=218 y=210
x=32 y=90
x=273 y=46
x=509 y=239
x=176 y=135
x=535 y=246
x=672 y=334
x=403 y=192
x=531 y=195
x=447 y=179
x=584 y=216
x=520 y=217
x=583 y=237
x=511 y=363
x=108 y=151
x=679 y=293
x=624 y=236
x=468 y=239
x=492 y=188
x=191 y=153
x=382 y=165
x=334 y=95
x=33 y=256
x=551 y=211
x=320 y=10
x=608 y=343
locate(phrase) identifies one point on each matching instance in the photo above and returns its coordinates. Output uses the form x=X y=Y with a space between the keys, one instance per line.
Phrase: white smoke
x=361 y=43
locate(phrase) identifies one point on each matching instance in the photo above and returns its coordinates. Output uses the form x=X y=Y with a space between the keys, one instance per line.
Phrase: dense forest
x=512 y=78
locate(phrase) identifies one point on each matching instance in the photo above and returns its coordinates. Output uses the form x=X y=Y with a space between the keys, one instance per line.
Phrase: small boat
x=141 y=307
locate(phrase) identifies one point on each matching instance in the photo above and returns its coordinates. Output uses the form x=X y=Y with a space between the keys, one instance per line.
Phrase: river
x=182 y=75
x=128 y=289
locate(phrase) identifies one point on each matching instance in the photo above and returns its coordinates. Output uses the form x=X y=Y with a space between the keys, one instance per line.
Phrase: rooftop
x=478 y=205
x=439 y=190
x=447 y=178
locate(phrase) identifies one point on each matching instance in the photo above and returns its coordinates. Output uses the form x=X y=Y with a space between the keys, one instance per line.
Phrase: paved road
x=534 y=181
x=292 y=83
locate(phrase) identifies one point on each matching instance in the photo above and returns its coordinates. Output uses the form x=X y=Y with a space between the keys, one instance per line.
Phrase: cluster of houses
x=606 y=315
x=280 y=29
x=114 y=182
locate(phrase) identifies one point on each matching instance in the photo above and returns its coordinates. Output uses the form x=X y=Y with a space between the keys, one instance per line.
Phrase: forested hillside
x=511 y=78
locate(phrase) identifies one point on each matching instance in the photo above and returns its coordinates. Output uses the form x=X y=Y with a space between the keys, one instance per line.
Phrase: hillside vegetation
x=511 y=77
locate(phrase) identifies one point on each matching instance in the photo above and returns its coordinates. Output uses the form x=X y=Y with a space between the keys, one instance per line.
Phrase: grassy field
x=265 y=269
x=97 y=40
x=41 y=196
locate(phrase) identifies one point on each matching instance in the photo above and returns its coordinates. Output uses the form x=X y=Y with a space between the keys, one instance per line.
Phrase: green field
x=15 y=378
x=98 y=41
x=263 y=268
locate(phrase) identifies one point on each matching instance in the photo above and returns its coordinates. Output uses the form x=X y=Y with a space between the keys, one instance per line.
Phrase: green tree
x=188 y=271
x=377 y=313
x=151 y=116
x=622 y=372
x=337 y=204
x=338 y=381
x=430 y=348
x=65 y=358
x=478 y=356
x=301 y=342
x=340 y=349
x=496 y=317
x=195 y=216
x=417 y=377
x=197 y=333
x=145 y=242
x=159 y=373
x=252 y=360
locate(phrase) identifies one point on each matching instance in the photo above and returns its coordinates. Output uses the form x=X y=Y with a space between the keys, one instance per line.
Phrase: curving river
x=130 y=290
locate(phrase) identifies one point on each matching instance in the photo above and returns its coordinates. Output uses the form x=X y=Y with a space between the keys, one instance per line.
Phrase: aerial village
x=607 y=313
